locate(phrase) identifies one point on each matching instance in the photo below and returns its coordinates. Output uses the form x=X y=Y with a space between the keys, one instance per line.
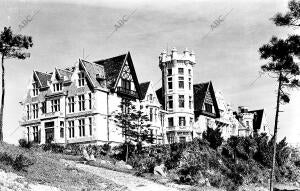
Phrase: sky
x=64 y=31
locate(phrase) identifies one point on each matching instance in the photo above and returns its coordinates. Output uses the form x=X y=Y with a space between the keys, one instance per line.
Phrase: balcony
x=127 y=92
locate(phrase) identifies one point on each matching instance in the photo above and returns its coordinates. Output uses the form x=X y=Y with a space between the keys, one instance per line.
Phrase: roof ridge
x=65 y=70
x=145 y=82
x=111 y=57
x=42 y=72
x=202 y=83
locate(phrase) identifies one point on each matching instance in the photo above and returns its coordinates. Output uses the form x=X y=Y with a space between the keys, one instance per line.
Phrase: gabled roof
x=92 y=71
x=112 y=67
x=43 y=78
x=160 y=97
x=200 y=92
x=144 y=88
x=64 y=73
x=199 y=95
x=258 y=116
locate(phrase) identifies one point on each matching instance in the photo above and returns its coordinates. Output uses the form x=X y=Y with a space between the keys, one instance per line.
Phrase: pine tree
x=281 y=54
x=11 y=46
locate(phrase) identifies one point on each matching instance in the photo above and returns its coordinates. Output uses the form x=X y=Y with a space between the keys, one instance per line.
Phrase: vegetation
x=38 y=166
x=238 y=161
x=133 y=123
x=281 y=54
x=11 y=46
x=213 y=136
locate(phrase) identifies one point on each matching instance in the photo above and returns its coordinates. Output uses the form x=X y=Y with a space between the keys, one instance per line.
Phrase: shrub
x=120 y=151
x=214 y=137
x=6 y=158
x=74 y=148
x=21 y=163
x=25 y=144
x=53 y=147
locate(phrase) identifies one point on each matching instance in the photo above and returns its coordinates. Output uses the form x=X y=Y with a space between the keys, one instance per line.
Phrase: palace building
x=75 y=104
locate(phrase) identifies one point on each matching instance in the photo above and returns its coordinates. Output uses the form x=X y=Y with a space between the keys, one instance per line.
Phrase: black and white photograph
x=150 y=95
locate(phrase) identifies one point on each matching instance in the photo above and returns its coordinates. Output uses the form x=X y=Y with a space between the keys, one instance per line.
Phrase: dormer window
x=81 y=79
x=35 y=89
x=126 y=84
x=57 y=87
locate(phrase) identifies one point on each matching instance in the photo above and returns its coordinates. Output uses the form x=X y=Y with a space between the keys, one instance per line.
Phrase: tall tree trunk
x=2 y=99
x=275 y=133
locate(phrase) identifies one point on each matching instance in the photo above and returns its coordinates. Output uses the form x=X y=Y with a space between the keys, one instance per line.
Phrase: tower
x=177 y=90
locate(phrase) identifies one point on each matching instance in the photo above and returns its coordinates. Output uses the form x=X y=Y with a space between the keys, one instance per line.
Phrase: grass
x=48 y=170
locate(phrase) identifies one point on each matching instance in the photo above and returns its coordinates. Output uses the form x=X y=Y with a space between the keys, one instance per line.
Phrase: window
x=190 y=83
x=181 y=82
x=35 y=134
x=81 y=79
x=90 y=101
x=44 y=107
x=151 y=114
x=35 y=111
x=81 y=103
x=155 y=115
x=55 y=105
x=190 y=102
x=189 y=71
x=208 y=107
x=169 y=71
x=171 y=138
x=170 y=84
x=170 y=102
x=71 y=104
x=35 y=89
x=180 y=71
x=181 y=121
x=71 y=129
x=62 y=129
x=247 y=124
x=182 y=139
x=28 y=111
x=181 y=101
x=125 y=105
x=151 y=97
x=191 y=121
x=57 y=87
x=81 y=128
x=90 y=126
x=170 y=121
x=126 y=84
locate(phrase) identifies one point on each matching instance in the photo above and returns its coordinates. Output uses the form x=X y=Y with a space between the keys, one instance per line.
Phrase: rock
x=85 y=155
x=128 y=167
x=103 y=161
x=163 y=180
x=102 y=185
x=122 y=164
x=207 y=183
x=92 y=157
x=159 y=170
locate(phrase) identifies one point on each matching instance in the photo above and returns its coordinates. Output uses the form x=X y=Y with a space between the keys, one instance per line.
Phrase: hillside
x=48 y=170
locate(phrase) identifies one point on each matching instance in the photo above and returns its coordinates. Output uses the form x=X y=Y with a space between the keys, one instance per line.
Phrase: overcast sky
x=227 y=55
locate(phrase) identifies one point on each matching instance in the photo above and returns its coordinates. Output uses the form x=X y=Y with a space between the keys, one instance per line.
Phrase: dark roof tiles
x=43 y=78
x=112 y=67
x=258 y=116
x=144 y=88
x=199 y=95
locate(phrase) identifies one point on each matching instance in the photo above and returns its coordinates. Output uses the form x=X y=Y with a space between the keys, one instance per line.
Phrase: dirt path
x=133 y=183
